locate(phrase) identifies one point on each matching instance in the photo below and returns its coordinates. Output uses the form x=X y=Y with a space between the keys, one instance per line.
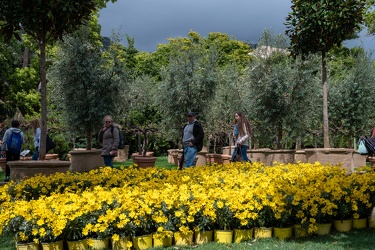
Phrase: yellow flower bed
x=118 y=203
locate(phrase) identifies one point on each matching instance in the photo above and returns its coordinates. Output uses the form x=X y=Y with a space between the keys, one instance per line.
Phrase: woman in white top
x=35 y=126
x=242 y=131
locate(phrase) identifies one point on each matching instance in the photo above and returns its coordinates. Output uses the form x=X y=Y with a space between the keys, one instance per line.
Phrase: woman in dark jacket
x=109 y=137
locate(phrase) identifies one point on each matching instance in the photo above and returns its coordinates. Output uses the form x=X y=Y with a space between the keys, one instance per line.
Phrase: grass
x=355 y=239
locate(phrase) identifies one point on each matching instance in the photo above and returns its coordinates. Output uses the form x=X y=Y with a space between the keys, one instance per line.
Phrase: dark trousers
x=10 y=157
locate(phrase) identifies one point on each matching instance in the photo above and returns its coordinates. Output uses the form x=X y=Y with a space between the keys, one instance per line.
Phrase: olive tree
x=317 y=26
x=46 y=22
x=85 y=82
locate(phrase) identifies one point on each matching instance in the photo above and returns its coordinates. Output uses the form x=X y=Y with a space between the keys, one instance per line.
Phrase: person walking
x=242 y=132
x=192 y=139
x=109 y=136
x=35 y=126
x=11 y=145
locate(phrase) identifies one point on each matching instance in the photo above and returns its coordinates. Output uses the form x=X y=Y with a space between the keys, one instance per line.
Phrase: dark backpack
x=121 y=144
x=14 y=143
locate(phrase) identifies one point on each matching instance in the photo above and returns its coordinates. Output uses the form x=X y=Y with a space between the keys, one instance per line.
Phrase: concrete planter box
x=282 y=156
x=22 y=169
x=300 y=156
x=257 y=154
x=349 y=158
x=86 y=160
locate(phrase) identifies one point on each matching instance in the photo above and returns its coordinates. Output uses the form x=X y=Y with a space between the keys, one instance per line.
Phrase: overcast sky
x=151 y=22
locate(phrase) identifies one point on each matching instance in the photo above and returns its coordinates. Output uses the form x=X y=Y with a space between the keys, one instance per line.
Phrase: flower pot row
x=220 y=236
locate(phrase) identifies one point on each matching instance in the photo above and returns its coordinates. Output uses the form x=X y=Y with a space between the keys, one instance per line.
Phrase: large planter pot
x=78 y=245
x=323 y=229
x=202 y=237
x=86 y=160
x=300 y=156
x=144 y=161
x=343 y=225
x=3 y=163
x=282 y=233
x=360 y=223
x=121 y=244
x=226 y=159
x=371 y=222
x=281 y=156
x=216 y=158
x=22 y=169
x=242 y=235
x=182 y=239
x=171 y=154
x=257 y=155
x=334 y=156
x=27 y=246
x=58 y=245
x=262 y=232
x=223 y=236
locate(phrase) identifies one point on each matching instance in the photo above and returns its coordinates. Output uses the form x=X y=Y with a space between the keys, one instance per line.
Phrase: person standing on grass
x=192 y=139
x=242 y=132
x=11 y=145
x=109 y=136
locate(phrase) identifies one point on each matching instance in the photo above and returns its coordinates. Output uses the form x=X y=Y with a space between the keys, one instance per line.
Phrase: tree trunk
x=25 y=58
x=89 y=139
x=43 y=91
x=325 y=101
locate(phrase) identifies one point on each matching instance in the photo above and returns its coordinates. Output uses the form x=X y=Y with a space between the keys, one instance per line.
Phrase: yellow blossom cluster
x=131 y=201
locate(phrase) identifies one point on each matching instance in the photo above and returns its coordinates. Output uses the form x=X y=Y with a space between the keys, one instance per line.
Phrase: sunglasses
x=107 y=121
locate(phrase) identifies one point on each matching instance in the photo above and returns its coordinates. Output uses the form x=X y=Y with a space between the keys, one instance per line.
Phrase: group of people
x=193 y=134
x=109 y=136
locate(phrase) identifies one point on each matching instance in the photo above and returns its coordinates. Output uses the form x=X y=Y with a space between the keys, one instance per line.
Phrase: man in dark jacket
x=192 y=139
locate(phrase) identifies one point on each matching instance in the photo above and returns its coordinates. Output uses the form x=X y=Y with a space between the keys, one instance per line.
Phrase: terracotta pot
x=3 y=164
x=144 y=162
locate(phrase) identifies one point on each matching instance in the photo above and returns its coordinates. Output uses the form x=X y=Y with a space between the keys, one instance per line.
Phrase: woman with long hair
x=242 y=132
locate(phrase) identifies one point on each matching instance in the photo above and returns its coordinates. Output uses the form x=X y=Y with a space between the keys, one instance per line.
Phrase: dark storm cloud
x=151 y=22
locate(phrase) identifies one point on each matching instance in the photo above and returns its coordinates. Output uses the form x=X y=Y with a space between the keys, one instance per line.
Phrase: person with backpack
x=12 y=144
x=192 y=140
x=109 y=136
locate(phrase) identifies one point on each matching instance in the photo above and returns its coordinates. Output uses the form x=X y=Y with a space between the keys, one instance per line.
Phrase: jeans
x=190 y=153
x=108 y=160
x=35 y=156
x=243 y=153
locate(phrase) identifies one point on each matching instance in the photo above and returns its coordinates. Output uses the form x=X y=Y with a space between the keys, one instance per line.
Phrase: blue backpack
x=121 y=144
x=14 y=143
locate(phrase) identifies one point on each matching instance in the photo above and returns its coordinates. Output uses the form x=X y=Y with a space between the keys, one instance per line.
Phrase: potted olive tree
x=85 y=84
